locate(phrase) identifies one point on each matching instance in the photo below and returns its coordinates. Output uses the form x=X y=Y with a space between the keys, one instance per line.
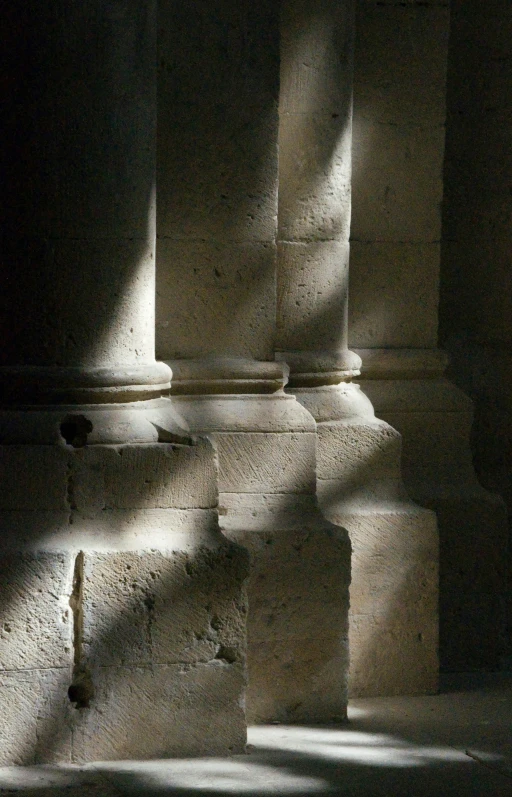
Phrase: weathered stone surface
x=297 y=625
x=227 y=299
x=314 y=166
x=163 y=711
x=396 y=194
x=266 y=463
x=145 y=476
x=358 y=452
x=36 y=716
x=317 y=81
x=36 y=629
x=312 y=288
x=393 y=293
x=147 y=607
x=244 y=413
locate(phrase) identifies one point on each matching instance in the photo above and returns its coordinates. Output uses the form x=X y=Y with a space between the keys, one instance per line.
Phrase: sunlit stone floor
x=456 y=743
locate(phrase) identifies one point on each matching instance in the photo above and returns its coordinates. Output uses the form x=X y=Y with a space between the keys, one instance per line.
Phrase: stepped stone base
x=123 y=606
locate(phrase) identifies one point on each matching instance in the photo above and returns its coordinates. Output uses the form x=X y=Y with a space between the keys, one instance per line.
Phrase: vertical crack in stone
x=81 y=690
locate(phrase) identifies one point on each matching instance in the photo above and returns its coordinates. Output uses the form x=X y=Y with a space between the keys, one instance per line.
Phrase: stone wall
x=476 y=285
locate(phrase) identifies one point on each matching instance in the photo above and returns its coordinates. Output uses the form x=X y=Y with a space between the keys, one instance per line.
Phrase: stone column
x=394 y=286
x=123 y=610
x=218 y=180
x=393 y=594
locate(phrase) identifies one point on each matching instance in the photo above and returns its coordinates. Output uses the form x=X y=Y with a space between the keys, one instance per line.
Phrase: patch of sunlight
x=221 y=774
x=346 y=746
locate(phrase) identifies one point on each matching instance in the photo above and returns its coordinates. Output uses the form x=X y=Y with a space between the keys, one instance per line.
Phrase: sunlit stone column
x=122 y=630
x=393 y=594
x=216 y=285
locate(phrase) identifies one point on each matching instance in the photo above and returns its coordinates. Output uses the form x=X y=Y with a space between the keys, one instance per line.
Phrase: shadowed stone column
x=393 y=594
x=399 y=131
x=217 y=177
x=123 y=608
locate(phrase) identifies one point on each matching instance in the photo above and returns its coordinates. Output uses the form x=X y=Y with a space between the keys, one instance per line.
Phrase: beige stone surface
x=266 y=463
x=397 y=181
x=357 y=453
x=33 y=476
x=393 y=294
x=163 y=711
x=145 y=476
x=36 y=623
x=312 y=294
x=226 y=298
x=297 y=624
x=314 y=169
x=159 y=608
x=36 y=716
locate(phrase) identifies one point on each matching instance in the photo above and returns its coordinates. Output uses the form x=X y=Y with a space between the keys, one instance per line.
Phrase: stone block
x=397 y=184
x=312 y=288
x=266 y=462
x=298 y=680
x=315 y=75
x=36 y=716
x=297 y=625
x=396 y=47
x=217 y=173
x=393 y=294
x=237 y=40
x=358 y=452
x=227 y=299
x=36 y=628
x=315 y=172
x=393 y=617
x=151 y=476
x=33 y=477
x=163 y=711
x=471 y=631
x=391 y=659
x=162 y=608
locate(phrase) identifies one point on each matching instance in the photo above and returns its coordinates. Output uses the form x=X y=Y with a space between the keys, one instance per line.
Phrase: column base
x=300 y=563
x=409 y=390
x=393 y=618
x=124 y=607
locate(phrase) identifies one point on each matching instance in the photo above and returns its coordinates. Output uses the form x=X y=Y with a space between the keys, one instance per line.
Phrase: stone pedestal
x=409 y=390
x=123 y=607
x=300 y=563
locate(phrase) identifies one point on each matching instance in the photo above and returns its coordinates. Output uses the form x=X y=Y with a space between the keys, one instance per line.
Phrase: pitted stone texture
x=33 y=477
x=312 y=289
x=297 y=625
x=36 y=625
x=36 y=716
x=358 y=452
x=163 y=711
x=393 y=294
x=226 y=299
x=393 y=601
x=157 y=608
x=396 y=194
x=143 y=477
x=314 y=164
x=266 y=462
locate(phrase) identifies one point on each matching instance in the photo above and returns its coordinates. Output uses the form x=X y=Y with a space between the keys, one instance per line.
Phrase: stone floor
x=456 y=743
